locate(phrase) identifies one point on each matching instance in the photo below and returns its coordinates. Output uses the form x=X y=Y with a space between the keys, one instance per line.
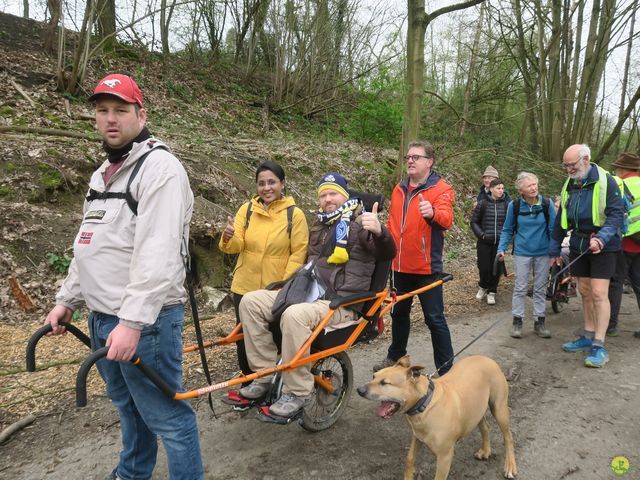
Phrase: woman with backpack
x=529 y=223
x=269 y=234
x=486 y=222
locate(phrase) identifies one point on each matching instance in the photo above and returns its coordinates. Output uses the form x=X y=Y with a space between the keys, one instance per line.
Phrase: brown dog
x=443 y=410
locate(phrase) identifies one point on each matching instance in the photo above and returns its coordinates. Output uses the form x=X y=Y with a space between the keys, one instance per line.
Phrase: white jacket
x=127 y=265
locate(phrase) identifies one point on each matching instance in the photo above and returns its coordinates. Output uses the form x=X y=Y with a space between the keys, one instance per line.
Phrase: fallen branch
x=23 y=93
x=14 y=427
x=77 y=116
x=48 y=131
x=44 y=366
x=24 y=300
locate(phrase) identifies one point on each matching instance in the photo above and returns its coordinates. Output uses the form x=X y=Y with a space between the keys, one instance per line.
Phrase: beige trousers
x=297 y=323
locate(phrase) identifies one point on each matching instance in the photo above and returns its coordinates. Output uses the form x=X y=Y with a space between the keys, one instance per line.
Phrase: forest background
x=518 y=79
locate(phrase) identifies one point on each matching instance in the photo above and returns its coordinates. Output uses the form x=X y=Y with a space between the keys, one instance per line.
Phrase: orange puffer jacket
x=420 y=242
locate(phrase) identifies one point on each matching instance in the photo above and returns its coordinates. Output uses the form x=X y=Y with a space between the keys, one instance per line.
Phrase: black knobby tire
x=324 y=408
x=556 y=306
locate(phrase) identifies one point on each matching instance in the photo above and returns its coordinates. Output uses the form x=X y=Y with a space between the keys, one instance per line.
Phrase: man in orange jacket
x=420 y=212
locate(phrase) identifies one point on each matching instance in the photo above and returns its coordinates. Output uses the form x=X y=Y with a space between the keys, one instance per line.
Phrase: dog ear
x=405 y=361
x=416 y=370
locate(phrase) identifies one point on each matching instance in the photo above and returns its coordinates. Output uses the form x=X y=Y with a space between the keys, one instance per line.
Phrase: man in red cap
x=128 y=269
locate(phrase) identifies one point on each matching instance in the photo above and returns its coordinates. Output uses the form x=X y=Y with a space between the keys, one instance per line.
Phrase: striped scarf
x=343 y=215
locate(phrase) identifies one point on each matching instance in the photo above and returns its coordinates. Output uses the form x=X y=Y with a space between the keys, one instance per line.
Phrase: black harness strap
x=196 y=320
x=424 y=401
x=126 y=195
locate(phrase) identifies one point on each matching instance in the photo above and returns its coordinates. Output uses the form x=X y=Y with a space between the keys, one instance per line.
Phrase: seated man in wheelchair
x=345 y=243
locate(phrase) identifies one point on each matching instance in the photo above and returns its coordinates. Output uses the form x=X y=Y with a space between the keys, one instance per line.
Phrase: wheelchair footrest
x=238 y=402
x=264 y=415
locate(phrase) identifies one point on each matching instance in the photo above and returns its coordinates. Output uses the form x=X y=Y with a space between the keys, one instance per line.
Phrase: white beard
x=581 y=173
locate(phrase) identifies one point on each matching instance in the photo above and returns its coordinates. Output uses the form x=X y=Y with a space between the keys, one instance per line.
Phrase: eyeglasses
x=415 y=158
x=572 y=165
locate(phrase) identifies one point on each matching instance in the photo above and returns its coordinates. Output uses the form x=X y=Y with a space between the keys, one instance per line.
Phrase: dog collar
x=424 y=401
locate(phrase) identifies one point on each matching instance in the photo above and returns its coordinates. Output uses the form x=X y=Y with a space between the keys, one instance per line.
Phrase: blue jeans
x=433 y=309
x=144 y=410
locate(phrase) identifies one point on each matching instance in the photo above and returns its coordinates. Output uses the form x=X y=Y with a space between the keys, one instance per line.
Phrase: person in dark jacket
x=490 y=174
x=486 y=222
x=591 y=207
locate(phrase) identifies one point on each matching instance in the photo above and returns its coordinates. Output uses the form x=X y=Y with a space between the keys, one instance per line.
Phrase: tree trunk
x=54 y=7
x=166 y=12
x=25 y=8
x=616 y=130
x=525 y=69
x=106 y=24
x=416 y=29
x=472 y=69
x=596 y=54
x=573 y=84
x=417 y=22
x=81 y=55
x=625 y=77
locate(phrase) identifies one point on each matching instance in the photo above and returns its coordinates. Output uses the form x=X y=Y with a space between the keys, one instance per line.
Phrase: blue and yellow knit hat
x=333 y=181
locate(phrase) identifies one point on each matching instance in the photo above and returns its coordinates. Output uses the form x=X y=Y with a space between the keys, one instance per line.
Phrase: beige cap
x=490 y=172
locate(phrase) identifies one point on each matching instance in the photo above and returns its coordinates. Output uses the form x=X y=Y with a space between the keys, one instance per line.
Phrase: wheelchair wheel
x=556 y=305
x=324 y=408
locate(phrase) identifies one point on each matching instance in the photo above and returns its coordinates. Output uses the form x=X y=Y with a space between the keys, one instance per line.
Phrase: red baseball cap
x=121 y=86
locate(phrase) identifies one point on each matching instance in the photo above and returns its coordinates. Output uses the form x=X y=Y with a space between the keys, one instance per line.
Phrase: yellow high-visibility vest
x=598 y=200
x=633 y=186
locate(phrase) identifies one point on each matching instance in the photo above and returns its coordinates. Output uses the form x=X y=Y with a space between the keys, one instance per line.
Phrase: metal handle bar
x=83 y=372
x=41 y=332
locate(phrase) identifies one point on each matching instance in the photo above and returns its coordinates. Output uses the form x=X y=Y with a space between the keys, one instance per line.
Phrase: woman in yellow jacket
x=271 y=236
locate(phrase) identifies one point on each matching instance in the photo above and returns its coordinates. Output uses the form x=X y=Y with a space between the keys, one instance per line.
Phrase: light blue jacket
x=532 y=237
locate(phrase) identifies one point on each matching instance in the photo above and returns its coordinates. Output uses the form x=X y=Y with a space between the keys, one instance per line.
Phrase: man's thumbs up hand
x=370 y=221
x=425 y=207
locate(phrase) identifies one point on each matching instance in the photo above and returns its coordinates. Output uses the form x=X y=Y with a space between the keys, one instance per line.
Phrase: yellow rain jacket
x=268 y=251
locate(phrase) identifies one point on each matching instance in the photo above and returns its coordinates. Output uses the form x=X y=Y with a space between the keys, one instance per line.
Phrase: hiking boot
x=482 y=292
x=516 y=331
x=597 y=357
x=491 y=298
x=581 y=343
x=255 y=390
x=613 y=331
x=288 y=405
x=540 y=329
x=387 y=362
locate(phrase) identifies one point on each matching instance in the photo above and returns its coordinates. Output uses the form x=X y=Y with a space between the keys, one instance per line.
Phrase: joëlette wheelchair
x=331 y=366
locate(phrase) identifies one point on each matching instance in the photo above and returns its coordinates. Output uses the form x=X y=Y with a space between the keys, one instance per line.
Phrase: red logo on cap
x=112 y=82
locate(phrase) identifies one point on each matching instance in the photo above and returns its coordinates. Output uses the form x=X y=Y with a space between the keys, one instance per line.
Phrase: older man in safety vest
x=627 y=168
x=591 y=207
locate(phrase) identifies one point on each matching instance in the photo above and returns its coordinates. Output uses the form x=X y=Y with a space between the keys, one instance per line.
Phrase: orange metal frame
x=236 y=334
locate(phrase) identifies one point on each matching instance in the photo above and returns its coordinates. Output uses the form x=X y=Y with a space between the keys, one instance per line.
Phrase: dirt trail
x=568 y=421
